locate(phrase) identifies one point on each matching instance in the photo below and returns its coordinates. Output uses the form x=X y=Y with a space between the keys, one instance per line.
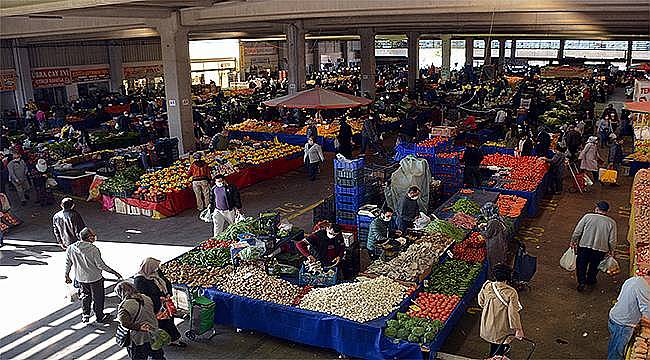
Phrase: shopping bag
x=588 y=181
x=607 y=176
x=206 y=215
x=568 y=260
x=422 y=221
x=609 y=266
x=239 y=217
x=71 y=293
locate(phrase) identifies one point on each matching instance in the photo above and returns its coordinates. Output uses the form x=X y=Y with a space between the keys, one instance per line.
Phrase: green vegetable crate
x=325 y=278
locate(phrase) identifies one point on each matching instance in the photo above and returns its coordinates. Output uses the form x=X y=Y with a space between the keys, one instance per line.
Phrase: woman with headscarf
x=495 y=232
x=136 y=313
x=151 y=282
x=589 y=157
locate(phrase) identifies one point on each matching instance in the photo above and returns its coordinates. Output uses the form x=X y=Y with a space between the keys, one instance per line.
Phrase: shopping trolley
x=197 y=309
x=506 y=355
x=580 y=180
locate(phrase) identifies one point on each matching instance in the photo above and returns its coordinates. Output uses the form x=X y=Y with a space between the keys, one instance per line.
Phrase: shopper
x=152 y=282
x=225 y=204
x=409 y=209
x=495 y=232
x=380 y=234
x=472 y=159
x=589 y=157
x=88 y=265
x=313 y=157
x=67 y=223
x=604 y=128
x=200 y=173
x=594 y=237
x=631 y=308
x=39 y=179
x=370 y=136
x=573 y=140
x=543 y=143
x=500 y=316
x=18 y=177
x=616 y=153
x=325 y=245
x=525 y=145
x=220 y=141
x=4 y=170
x=556 y=170
x=136 y=313
x=345 y=139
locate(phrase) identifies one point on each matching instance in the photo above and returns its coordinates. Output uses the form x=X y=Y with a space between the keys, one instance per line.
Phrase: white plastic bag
x=568 y=260
x=609 y=266
x=206 y=215
x=422 y=221
x=71 y=293
x=239 y=217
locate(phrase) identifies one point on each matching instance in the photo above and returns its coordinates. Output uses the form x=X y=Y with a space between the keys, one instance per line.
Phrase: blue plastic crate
x=447 y=161
x=348 y=173
x=350 y=206
x=425 y=150
x=347 y=215
x=356 y=164
x=346 y=182
x=342 y=221
x=322 y=279
x=351 y=190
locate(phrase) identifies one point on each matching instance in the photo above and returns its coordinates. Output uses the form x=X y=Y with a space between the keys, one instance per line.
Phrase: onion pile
x=416 y=260
x=253 y=282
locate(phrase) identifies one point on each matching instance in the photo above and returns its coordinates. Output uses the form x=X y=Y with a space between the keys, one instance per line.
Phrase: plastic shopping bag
x=568 y=260
x=206 y=215
x=607 y=176
x=422 y=221
x=239 y=217
x=71 y=293
x=609 y=266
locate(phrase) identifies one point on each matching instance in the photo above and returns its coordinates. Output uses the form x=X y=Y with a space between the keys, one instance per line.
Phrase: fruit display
x=466 y=206
x=453 y=277
x=446 y=228
x=511 y=205
x=331 y=130
x=472 y=249
x=360 y=301
x=641 y=344
x=256 y=153
x=463 y=221
x=408 y=265
x=559 y=114
x=252 y=281
x=433 y=306
x=525 y=174
x=413 y=329
x=251 y=125
x=214 y=243
x=433 y=142
x=191 y=275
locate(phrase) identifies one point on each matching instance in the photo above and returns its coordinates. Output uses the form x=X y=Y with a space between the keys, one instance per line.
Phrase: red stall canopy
x=641 y=67
x=319 y=98
x=640 y=106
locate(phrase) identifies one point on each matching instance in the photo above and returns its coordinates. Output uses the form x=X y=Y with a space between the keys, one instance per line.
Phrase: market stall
x=638 y=235
x=640 y=118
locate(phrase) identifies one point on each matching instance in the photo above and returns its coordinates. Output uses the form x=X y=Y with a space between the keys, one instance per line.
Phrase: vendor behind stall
x=325 y=245
x=472 y=159
x=380 y=234
x=409 y=209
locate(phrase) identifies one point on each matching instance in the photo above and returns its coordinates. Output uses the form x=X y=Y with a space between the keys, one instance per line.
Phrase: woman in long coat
x=495 y=233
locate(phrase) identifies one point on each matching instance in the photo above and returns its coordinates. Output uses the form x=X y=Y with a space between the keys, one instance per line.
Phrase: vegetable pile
x=466 y=206
x=408 y=265
x=641 y=345
x=453 y=277
x=440 y=240
x=415 y=330
x=526 y=172
x=472 y=249
x=179 y=273
x=510 y=205
x=446 y=228
x=212 y=257
x=214 y=243
x=359 y=301
x=434 y=306
x=252 y=281
x=122 y=182
x=463 y=220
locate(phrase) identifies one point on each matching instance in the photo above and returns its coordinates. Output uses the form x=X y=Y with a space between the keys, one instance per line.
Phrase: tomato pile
x=433 y=142
x=214 y=243
x=526 y=172
x=472 y=249
x=450 y=155
x=434 y=306
x=510 y=205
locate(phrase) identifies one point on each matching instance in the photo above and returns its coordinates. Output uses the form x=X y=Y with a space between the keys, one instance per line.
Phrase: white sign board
x=641 y=90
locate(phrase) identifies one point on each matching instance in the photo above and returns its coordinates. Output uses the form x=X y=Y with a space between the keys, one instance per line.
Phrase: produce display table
x=254 y=174
x=291 y=139
x=75 y=185
x=534 y=197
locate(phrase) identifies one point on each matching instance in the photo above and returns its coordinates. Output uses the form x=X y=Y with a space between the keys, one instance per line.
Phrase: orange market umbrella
x=318 y=98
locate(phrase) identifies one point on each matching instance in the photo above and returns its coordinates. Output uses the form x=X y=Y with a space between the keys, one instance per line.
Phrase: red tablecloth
x=252 y=175
x=118 y=109
x=176 y=203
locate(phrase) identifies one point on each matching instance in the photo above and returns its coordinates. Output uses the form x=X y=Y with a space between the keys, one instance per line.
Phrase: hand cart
x=579 y=181
x=508 y=349
x=197 y=309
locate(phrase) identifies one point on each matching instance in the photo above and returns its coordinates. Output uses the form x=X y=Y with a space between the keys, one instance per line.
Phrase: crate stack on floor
x=449 y=172
x=349 y=190
x=167 y=151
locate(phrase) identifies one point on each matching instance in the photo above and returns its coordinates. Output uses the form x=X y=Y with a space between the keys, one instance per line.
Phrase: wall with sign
x=261 y=55
x=641 y=90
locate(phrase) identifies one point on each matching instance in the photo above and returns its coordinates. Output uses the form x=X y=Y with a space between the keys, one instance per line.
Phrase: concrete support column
x=487 y=54
x=24 y=88
x=560 y=52
x=628 y=54
x=344 y=52
x=513 y=49
x=296 y=56
x=502 y=51
x=413 y=40
x=282 y=55
x=469 y=51
x=446 y=56
x=176 y=66
x=368 y=64
x=115 y=63
x=315 y=53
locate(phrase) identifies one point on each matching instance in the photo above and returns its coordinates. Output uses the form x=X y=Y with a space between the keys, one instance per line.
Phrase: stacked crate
x=450 y=173
x=363 y=224
x=349 y=190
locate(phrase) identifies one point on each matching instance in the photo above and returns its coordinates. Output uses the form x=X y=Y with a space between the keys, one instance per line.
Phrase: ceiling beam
x=120 y=11
x=22 y=27
x=21 y=7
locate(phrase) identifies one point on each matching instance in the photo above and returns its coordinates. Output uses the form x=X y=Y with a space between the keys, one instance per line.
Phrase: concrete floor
x=38 y=323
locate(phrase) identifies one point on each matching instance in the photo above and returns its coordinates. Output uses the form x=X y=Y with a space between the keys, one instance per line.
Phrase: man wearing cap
x=594 y=237
x=200 y=173
x=67 y=224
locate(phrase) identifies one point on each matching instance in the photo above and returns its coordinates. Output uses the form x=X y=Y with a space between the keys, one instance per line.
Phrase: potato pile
x=640 y=348
x=408 y=265
x=253 y=282
x=358 y=301
x=191 y=275
x=440 y=240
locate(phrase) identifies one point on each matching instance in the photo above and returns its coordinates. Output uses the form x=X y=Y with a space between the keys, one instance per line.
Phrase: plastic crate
x=351 y=190
x=348 y=199
x=346 y=182
x=347 y=215
x=349 y=164
x=353 y=206
x=447 y=161
x=321 y=279
x=325 y=211
x=348 y=174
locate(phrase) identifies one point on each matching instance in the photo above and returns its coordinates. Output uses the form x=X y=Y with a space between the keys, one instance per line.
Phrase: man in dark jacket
x=410 y=210
x=472 y=159
x=67 y=224
x=380 y=234
x=325 y=245
x=345 y=140
x=616 y=153
x=225 y=204
x=573 y=141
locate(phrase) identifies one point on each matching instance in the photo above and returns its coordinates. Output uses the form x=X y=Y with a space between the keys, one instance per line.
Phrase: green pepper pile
x=212 y=257
x=453 y=277
x=242 y=227
x=411 y=329
x=466 y=206
x=446 y=228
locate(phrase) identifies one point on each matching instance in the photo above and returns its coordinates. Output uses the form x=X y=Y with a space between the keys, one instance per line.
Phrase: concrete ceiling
x=593 y=19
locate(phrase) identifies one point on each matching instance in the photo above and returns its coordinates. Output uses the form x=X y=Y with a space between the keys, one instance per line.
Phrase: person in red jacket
x=200 y=173
x=325 y=245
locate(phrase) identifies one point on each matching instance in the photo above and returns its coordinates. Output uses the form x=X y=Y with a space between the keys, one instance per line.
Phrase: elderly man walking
x=67 y=223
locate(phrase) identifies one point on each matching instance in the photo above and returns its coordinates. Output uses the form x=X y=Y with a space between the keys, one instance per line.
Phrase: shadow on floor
x=20 y=254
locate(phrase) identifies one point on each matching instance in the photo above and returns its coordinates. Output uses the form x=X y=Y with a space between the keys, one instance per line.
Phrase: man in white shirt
x=632 y=307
